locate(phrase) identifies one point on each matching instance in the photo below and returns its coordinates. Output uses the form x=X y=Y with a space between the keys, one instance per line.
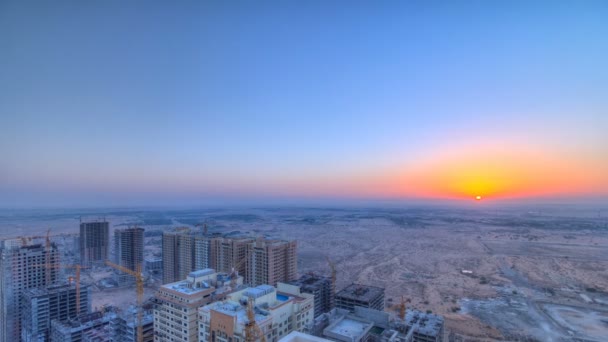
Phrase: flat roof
x=185 y=287
x=423 y=323
x=296 y=336
x=234 y=309
x=200 y=273
x=349 y=327
x=359 y=292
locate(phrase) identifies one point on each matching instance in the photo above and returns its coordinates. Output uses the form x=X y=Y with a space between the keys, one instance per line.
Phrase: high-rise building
x=321 y=287
x=258 y=261
x=278 y=312
x=229 y=252
x=271 y=262
x=42 y=305
x=128 y=252
x=183 y=252
x=22 y=268
x=360 y=295
x=175 y=313
x=94 y=242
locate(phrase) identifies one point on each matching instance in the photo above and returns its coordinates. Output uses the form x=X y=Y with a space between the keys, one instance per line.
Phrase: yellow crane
x=139 y=286
x=252 y=329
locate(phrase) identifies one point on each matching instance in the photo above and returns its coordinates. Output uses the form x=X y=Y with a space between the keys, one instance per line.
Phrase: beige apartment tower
x=271 y=262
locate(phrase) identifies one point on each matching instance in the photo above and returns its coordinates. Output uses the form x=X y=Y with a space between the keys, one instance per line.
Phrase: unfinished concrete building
x=77 y=329
x=177 y=303
x=40 y=306
x=278 y=312
x=321 y=287
x=94 y=242
x=22 y=267
x=123 y=328
x=128 y=252
x=369 y=325
x=271 y=262
x=360 y=295
x=184 y=251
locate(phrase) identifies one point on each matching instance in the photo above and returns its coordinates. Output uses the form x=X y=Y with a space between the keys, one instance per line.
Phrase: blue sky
x=124 y=103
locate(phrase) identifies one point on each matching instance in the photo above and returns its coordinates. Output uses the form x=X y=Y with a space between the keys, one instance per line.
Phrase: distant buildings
x=259 y=261
x=176 y=310
x=42 y=305
x=22 y=268
x=128 y=252
x=278 y=312
x=94 y=242
x=319 y=286
x=360 y=295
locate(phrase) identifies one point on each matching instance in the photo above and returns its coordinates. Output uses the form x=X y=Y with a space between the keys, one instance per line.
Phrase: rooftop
x=350 y=328
x=186 y=287
x=235 y=309
x=359 y=292
x=296 y=336
x=423 y=323
x=201 y=273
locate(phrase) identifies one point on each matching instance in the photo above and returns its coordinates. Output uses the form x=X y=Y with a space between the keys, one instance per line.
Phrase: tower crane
x=402 y=309
x=139 y=285
x=204 y=226
x=253 y=332
x=234 y=273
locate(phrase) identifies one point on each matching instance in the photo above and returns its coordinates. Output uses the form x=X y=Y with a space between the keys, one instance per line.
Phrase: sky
x=112 y=103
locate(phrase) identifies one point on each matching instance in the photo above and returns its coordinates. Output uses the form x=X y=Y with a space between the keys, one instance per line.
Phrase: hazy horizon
x=117 y=104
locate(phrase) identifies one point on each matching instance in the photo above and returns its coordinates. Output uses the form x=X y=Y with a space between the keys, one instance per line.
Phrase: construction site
x=546 y=273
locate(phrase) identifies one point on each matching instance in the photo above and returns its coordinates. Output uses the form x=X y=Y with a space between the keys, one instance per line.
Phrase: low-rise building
x=369 y=325
x=278 y=312
x=321 y=287
x=75 y=329
x=360 y=295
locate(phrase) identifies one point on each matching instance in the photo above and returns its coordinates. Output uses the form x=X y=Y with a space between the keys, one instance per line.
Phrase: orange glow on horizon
x=493 y=172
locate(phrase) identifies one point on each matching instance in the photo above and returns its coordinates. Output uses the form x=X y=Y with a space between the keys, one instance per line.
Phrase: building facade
x=183 y=252
x=94 y=243
x=321 y=287
x=128 y=252
x=176 y=309
x=80 y=328
x=271 y=262
x=40 y=306
x=360 y=295
x=22 y=268
x=258 y=261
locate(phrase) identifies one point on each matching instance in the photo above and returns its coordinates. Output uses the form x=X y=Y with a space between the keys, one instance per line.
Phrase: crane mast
x=139 y=286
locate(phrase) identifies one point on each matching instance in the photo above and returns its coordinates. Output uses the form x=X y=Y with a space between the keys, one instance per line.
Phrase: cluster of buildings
x=215 y=289
x=260 y=261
